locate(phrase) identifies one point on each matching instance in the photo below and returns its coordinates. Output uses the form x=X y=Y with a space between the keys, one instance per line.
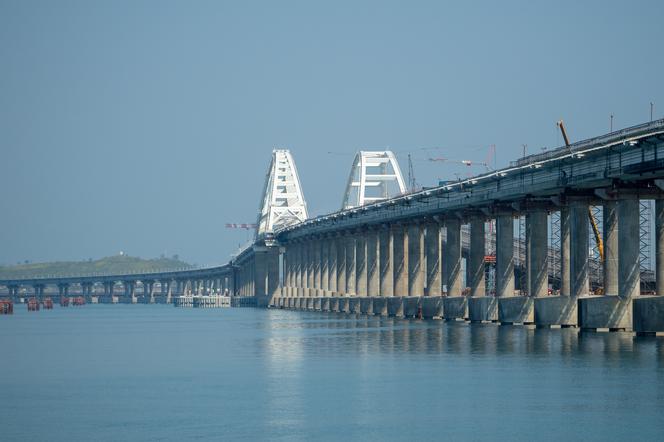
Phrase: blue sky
x=146 y=126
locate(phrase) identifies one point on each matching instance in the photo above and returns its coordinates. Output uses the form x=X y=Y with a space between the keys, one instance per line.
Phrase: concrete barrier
x=553 y=311
x=395 y=306
x=317 y=304
x=516 y=310
x=483 y=309
x=325 y=304
x=354 y=305
x=648 y=315
x=379 y=306
x=432 y=307
x=343 y=305
x=311 y=302
x=366 y=306
x=291 y=303
x=411 y=306
x=334 y=304
x=605 y=313
x=455 y=307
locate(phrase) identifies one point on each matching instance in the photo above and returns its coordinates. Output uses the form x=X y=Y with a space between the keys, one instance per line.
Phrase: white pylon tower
x=374 y=176
x=282 y=201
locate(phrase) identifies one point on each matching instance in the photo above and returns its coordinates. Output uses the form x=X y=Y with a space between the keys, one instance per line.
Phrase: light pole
x=652 y=105
x=611 y=124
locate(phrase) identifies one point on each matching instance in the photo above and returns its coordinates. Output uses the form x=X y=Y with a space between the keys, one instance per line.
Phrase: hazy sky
x=146 y=126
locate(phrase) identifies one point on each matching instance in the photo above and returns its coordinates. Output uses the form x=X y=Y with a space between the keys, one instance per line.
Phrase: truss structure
x=645 y=221
x=375 y=176
x=282 y=201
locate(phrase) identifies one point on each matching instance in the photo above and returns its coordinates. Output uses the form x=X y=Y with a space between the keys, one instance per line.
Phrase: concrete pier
x=476 y=262
x=386 y=262
x=610 y=240
x=504 y=256
x=400 y=255
x=516 y=310
x=366 y=306
x=416 y=260
x=452 y=257
x=556 y=311
x=579 y=285
x=433 y=260
x=432 y=307
x=537 y=253
x=379 y=306
x=455 y=307
x=395 y=306
x=483 y=309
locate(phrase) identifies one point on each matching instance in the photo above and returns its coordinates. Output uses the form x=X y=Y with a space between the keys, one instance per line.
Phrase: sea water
x=154 y=372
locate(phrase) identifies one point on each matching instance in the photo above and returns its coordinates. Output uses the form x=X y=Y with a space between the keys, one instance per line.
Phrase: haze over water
x=159 y=373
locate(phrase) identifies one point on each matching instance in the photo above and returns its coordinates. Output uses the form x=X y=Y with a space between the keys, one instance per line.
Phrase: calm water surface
x=160 y=373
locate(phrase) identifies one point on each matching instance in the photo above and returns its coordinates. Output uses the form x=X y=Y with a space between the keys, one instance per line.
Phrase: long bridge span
x=452 y=250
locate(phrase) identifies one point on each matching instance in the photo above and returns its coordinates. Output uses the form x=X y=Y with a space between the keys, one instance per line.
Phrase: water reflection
x=325 y=334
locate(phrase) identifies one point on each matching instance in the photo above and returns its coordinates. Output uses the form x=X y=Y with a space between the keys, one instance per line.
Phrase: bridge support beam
x=386 y=262
x=537 y=253
x=476 y=262
x=373 y=263
x=361 y=283
x=610 y=240
x=434 y=275
x=629 y=277
x=580 y=283
x=341 y=265
x=400 y=255
x=325 y=266
x=332 y=265
x=416 y=264
x=504 y=256
x=452 y=257
x=565 y=250
x=350 y=264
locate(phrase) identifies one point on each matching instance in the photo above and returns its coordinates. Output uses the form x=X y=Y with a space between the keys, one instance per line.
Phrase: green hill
x=113 y=264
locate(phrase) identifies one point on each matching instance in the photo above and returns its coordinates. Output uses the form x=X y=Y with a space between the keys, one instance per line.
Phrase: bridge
x=436 y=253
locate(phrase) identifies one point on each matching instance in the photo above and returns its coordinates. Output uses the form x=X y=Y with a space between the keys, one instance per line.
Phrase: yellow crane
x=593 y=221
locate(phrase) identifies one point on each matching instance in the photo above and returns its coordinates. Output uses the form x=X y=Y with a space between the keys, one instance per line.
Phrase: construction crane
x=593 y=221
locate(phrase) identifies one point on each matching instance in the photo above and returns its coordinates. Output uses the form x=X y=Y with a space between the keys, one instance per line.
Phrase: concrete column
x=565 y=248
x=416 y=262
x=341 y=265
x=452 y=257
x=272 y=272
x=504 y=256
x=299 y=269
x=311 y=266
x=325 y=266
x=476 y=261
x=361 y=264
x=537 y=249
x=659 y=246
x=386 y=262
x=332 y=266
x=350 y=264
x=610 y=240
x=303 y=266
x=318 y=265
x=580 y=283
x=629 y=277
x=434 y=285
x=373 y=263
x=400 y=255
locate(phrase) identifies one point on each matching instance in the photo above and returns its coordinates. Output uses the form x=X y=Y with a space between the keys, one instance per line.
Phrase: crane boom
x=591 y=218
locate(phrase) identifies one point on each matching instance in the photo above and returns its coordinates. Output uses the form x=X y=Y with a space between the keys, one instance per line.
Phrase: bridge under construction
x=513 y=245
